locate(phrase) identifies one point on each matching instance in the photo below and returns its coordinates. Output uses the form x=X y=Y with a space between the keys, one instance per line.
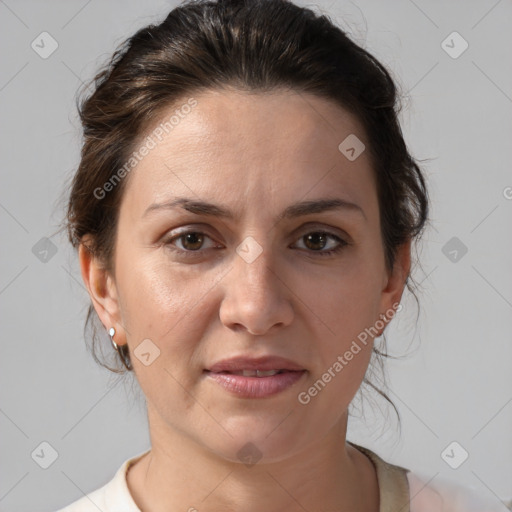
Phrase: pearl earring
x=111 y=333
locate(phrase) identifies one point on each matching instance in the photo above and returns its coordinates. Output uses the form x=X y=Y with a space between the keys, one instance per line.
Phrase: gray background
x=456 y=384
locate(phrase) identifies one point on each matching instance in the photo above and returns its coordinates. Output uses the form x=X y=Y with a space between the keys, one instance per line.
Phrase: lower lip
x=256 y=387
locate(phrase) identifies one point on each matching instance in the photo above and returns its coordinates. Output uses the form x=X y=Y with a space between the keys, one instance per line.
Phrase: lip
x=255 y=387
x=264 y=363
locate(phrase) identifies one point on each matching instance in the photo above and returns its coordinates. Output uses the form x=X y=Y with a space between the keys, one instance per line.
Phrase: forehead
x=235 y=146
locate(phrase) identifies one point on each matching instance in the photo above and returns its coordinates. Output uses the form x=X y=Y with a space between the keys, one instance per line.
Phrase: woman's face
x=254 y=283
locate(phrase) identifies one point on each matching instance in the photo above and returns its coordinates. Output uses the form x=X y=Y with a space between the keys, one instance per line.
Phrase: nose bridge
x=254 y=296
x=255 y=263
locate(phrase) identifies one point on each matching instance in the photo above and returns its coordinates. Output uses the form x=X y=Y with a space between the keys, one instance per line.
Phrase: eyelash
x=187 y=253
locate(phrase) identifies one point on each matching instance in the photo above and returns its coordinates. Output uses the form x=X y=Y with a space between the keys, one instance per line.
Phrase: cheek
x=347 y=301
x=164 y=302
x=344 y=350
x=165 y=307
x=346 y=307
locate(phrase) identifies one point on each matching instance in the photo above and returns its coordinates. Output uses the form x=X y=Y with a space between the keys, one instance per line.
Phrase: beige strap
x=393 y=484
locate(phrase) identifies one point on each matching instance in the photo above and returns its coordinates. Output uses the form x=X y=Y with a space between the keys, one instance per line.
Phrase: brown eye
x=192 y=241
x=189 y=243
x=317 y=241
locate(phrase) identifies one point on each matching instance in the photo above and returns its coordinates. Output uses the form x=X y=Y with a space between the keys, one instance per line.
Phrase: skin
x=255 y=154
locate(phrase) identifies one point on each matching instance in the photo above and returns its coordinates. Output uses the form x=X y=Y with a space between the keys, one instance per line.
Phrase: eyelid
x=342 y=239
x=325 y=228
x=169 y=240
x=305 y=228
x=341 y=243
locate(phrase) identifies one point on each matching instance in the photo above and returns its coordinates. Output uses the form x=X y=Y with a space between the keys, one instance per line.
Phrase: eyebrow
x=292 y=211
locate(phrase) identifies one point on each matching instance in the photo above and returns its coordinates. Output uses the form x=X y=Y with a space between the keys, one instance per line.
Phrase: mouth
x=245 y=363
x=245 y=376
x=253 y=384
x=252 y=373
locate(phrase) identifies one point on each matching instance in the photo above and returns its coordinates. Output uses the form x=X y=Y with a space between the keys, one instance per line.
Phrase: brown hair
x=252 y=45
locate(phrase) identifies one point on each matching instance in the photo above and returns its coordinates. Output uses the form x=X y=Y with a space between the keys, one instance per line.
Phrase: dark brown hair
x=251 y=45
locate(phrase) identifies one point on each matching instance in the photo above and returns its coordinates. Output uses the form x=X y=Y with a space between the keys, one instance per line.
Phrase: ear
x=102 y=289
x=394 y=284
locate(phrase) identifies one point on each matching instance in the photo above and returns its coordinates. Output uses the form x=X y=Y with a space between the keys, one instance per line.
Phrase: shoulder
x=114 y=496
x=400 y=486
x=443 y=495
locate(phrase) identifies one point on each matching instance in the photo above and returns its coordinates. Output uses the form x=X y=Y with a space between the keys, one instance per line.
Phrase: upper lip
x=264 y=363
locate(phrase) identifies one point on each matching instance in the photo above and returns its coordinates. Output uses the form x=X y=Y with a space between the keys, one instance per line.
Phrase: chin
x=257 y=440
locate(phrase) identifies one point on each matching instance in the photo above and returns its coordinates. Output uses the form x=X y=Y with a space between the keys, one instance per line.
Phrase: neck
x=179 y=474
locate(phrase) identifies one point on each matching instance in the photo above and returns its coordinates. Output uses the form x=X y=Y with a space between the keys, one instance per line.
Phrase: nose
x=256 y=297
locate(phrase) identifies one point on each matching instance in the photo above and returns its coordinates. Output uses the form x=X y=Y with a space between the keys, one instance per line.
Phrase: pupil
x=196 y=240
x=314 y=237
x=191 y=238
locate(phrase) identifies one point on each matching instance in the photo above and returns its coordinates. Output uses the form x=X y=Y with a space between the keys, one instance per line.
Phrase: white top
x=399 y=489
